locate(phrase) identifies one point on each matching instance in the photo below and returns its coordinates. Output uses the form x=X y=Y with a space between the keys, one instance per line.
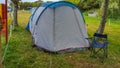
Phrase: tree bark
x=119 y=4
x=15 y=19
x=104 y=17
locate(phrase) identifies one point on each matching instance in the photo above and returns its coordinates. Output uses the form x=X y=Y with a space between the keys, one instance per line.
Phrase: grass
x=20 y=54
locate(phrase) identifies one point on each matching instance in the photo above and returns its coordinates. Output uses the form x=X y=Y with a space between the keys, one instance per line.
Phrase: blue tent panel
x=56 y=4
x=62 y=4
x=28 y=27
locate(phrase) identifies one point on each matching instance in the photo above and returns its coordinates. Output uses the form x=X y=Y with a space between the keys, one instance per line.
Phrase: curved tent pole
x=46 y=8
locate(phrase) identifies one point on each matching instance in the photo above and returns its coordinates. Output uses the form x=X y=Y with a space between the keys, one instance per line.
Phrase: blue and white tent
x=32 y=10
x=58 y=26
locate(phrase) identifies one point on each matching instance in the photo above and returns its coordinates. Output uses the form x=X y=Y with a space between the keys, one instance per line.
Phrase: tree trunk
x=104 y=17
x=15 y=21
x=119 y=5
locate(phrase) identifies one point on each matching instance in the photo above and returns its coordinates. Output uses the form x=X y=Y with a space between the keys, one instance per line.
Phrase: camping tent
x=32 y=10
x=58 y=27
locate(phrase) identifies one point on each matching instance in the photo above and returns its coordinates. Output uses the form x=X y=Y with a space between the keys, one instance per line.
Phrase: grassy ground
x=20 y=54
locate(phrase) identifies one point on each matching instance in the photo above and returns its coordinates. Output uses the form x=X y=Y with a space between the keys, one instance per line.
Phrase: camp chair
x=98 y=46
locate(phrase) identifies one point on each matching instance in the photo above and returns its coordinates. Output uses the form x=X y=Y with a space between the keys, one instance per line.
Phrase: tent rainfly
x=58 y=26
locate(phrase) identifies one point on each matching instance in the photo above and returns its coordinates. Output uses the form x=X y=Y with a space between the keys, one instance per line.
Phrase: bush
x=27 y=5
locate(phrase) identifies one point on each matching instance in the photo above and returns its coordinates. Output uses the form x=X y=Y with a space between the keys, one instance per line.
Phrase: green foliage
x=89 y=4
x=76 y=2
x=85 y=4
x=114 y=9
x=114 y=4
x=15 y=1
x=27 y=5
x=114 y=13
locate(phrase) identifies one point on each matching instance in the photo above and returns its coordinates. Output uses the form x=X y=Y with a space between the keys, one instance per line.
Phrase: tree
x=104 y=17
x=85 y=4
x=27 y=5
x=73 y=1
x=114 y=9
x=15 y=5
x=39 y=2
x=119 y=4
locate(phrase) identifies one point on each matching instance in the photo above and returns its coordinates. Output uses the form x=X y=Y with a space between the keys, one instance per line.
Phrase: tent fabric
x=32 y=10
x=56 y=4
x=58 y=29
x=34 y=17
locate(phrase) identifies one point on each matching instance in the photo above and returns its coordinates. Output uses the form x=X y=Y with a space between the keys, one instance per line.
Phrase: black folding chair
x=98 y=46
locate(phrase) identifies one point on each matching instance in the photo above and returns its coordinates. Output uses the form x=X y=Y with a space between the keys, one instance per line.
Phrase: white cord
x=6 y=48
x=50 y=61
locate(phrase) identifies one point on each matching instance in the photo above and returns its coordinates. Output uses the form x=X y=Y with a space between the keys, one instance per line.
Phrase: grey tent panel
x=59 y=29
x=44 y=30
x=67 y=32
x=34 y=17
